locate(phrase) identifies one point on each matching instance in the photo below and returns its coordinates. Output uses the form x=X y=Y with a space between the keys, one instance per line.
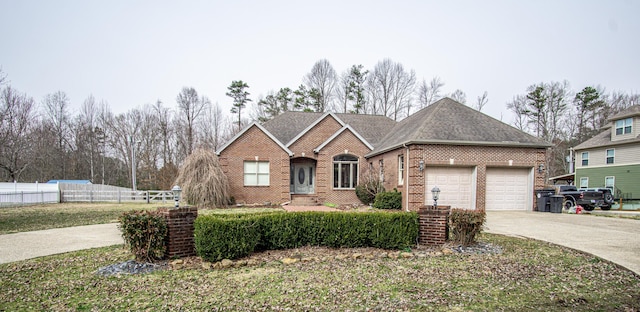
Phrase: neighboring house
x=612 y=158
x=477 y=161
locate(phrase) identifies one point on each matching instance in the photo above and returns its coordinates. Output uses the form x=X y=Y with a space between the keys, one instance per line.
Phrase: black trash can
x=555 y=203
x=542 y=199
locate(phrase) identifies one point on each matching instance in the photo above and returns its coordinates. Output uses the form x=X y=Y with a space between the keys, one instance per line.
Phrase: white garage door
x=457 y=187
x=508 y=189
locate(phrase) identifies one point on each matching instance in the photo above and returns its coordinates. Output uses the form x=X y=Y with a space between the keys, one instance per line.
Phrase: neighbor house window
x=585 y=158
x=584 y=182
x=381 y=170
x=400 y=169
x=345 y=172
x=610 y=156
x=256 y=173
x=609 y=182
x=623 y=126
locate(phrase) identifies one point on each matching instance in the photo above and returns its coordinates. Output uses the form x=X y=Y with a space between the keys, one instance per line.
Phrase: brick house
x=477 y=161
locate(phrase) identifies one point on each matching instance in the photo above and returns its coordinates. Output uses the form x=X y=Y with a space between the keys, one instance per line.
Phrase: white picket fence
x=22 y=198
x=115 y=196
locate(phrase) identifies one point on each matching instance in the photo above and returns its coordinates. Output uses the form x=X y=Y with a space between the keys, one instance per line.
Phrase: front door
x=303 y=178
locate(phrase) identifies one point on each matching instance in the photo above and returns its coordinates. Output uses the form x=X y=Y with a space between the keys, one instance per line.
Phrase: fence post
x=148 y=194
x=118 y=196
x=22 y=198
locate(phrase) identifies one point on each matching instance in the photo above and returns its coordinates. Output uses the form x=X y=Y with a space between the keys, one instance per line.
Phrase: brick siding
x=433 y=225
x=179 y=239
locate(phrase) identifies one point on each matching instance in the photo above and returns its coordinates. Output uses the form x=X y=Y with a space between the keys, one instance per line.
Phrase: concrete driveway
x=613 y=239
x=27 y=245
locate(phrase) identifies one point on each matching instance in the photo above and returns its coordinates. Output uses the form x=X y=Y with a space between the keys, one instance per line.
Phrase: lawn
x=49 y=216
x=527 y=276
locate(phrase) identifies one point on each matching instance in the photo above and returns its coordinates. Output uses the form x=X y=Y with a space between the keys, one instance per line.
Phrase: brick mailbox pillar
x=179 y=239
x=434 y=225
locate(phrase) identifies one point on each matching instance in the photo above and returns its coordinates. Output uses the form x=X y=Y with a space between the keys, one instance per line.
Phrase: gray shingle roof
x=449 y=122
x=603 y=139
x=288 y=125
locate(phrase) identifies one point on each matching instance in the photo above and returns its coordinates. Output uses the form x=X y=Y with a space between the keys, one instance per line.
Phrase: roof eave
x=335 y=135
x=265 y=131
x=448 y=142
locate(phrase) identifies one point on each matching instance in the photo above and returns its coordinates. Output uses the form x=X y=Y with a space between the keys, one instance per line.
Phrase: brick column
x=434 y=225
x=179 y=239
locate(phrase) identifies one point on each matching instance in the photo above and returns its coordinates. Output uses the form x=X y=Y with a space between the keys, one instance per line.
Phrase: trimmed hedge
x=218 y=238
x=466 y=225
x=388 y=200
x=144 y=232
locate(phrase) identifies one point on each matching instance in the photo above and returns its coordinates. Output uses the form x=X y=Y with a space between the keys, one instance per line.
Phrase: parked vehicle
x=588 y=198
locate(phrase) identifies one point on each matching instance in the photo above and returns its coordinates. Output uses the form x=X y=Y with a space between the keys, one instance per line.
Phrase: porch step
x=304 y=200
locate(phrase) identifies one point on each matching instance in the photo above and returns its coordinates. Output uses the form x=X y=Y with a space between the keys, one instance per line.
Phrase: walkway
x=613 y=239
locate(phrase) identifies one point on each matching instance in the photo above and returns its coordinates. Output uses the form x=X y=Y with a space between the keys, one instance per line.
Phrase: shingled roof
x=449 y=122
x=603 y=138
x=288 y=125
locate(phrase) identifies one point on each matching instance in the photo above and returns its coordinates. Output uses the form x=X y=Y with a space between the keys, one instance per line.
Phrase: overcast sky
x=131 y=53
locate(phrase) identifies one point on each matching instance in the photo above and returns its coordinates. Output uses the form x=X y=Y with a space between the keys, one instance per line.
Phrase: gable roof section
x=449 y=122
x=335 y=135
x=290 y=126
x=261 y=128
x=312 y=125
x=603 y=139
x=629 y=112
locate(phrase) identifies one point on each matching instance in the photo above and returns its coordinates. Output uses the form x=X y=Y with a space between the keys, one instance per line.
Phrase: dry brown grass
x=202 y=181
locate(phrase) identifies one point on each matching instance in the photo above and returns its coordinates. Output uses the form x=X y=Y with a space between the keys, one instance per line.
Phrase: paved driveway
x=613 y=239
x=27 y=245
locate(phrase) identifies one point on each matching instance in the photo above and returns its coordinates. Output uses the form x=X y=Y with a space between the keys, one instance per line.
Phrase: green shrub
x=366 y=192
x=218 y=238
x=144 y=232
x=466 y=224
x=388 y=200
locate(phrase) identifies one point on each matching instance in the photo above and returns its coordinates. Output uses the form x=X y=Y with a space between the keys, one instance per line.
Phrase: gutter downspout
x=406 y=172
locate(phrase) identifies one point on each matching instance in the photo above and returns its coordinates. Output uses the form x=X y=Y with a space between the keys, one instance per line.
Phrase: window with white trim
x=584 y=182
x=400 y=169
x=256 y=173
x=585 y=158
x=623 y=126
x=610 y=182
x=611 y=153
x=381 y=163
x=345 y=172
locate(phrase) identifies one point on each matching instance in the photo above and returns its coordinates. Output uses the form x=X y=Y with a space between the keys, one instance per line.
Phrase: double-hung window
x=345 y=172
x=623 y=126
x=585 y=158
x=609 y=182
x=256 y=173
x=584 y=182
x=611 y=153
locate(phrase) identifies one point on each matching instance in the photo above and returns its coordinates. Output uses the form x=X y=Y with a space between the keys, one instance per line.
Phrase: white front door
x=303 y=178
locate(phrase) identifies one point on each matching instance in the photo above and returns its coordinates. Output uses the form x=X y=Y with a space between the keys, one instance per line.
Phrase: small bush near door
x=388 y=200
x=466 y=225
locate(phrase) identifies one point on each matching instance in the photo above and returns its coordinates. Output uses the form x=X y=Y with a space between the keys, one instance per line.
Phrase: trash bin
x=542 y=199
x=555 y=203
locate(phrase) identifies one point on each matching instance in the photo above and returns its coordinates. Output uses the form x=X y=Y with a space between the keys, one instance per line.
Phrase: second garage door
x=456 y=184
x=508 y=189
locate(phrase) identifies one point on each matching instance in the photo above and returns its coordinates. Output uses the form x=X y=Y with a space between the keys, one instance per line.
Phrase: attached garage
x=509 y=189
x=456 y=184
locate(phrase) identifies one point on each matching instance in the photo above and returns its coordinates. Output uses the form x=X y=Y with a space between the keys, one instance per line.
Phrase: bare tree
x=191 y=107
x=459 y=96
x=322 y=78
x=429 y=92
x=519 y=107
x=17 y=117
x=56 y=109
x=211 y=127
x=164 y=118
x=482 y=101
x=390 y=89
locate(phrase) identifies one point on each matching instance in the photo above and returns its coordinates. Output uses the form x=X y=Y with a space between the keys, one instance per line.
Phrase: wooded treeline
x=48 y=140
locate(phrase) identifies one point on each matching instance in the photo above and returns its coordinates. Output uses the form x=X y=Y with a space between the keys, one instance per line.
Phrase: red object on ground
x=578 y=209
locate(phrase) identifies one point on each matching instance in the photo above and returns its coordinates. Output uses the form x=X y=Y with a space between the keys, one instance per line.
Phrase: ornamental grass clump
x=466 y=225
x=144 y=232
